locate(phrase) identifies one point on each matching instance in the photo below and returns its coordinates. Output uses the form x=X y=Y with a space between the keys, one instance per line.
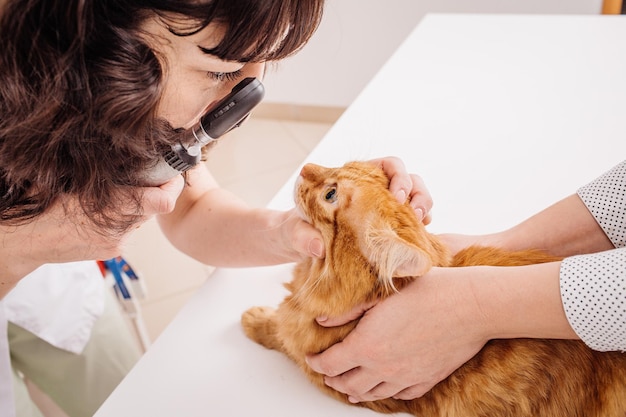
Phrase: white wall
x=357 y=36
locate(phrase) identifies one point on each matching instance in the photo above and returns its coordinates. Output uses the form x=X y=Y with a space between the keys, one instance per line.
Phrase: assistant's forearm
x=590 y=221
x=520 y=301
x=564 y=229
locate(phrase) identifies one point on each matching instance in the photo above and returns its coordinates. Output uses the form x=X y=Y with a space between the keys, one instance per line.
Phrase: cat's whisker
x=312 y=283
x=389 y=285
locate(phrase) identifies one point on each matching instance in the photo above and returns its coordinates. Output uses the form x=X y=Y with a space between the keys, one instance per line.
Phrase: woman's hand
x=303 y=238
x=407 y=186
x=407 y=343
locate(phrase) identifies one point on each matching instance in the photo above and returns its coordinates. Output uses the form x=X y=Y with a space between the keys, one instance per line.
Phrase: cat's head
x=355 y=212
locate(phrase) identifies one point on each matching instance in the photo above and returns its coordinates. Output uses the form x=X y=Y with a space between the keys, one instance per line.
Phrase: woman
x=92 y=93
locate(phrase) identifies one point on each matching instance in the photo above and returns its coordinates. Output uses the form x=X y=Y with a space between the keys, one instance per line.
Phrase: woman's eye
x=224 y=76
x=331 y=195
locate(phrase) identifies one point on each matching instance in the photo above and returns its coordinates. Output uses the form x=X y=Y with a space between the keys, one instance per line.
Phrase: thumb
x=355 y=313
x=307 y=240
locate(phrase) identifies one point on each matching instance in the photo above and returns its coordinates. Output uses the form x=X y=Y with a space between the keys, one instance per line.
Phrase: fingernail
x=419 y=212
x=401 y=196
x=315 y=248
x=353 y=400
x=321 y=319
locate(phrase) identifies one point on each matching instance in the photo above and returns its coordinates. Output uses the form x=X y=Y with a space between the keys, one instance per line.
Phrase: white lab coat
x=57 y=302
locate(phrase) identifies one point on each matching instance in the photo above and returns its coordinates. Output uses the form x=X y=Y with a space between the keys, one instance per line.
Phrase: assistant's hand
x=407 y=343
x=406 y=186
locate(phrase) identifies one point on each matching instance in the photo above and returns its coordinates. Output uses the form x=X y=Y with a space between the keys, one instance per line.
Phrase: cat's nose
x=305 y=171
x=309 y=171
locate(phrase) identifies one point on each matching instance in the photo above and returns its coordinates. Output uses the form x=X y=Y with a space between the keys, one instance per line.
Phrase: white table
x=501 y=115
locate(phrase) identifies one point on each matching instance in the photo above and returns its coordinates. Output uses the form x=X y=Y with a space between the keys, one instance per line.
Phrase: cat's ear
x=393 y=256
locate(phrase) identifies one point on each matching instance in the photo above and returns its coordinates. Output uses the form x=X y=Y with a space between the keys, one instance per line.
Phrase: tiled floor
x=252 y=161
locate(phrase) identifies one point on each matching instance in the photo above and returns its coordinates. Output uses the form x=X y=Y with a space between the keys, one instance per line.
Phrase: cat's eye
x=331 y=195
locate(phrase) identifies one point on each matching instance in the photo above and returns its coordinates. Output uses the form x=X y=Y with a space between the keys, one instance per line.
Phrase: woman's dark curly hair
x=79 y=90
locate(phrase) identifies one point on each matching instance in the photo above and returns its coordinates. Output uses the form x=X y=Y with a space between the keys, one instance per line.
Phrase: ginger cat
x=370 y=238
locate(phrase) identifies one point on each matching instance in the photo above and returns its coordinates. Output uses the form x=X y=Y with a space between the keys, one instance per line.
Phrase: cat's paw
x=259 y=325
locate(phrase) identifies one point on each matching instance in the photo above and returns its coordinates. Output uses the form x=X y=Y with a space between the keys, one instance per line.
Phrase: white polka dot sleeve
x=593 y=287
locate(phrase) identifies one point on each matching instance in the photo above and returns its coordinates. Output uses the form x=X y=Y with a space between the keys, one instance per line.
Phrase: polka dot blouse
x=593 y=287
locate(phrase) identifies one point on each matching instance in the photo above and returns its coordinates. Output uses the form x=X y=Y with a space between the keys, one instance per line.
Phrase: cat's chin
x=301 y=214
x=299 y=211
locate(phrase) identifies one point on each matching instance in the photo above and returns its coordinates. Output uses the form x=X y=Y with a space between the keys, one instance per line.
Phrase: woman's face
x=193 y=79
